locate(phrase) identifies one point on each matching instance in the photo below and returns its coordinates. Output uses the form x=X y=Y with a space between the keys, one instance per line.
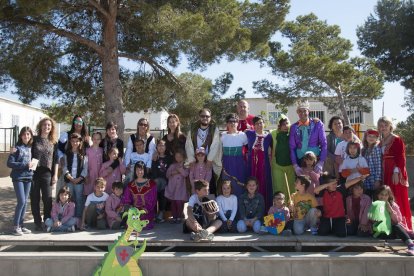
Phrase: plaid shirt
x=374 y=159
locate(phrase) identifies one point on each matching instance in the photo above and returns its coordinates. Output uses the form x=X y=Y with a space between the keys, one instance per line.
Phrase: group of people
x=249 y=169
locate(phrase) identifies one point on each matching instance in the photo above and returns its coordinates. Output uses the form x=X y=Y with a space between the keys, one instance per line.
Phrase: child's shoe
x=195 y=236
x=159 y=219
x=17 y=231
x=25 y=230
x=210 y=237
x=173 y=221
x=314 y=231
x=71 y=229
x=49 y=229
x=287 y=233
x=204 y=234
x=410 y=250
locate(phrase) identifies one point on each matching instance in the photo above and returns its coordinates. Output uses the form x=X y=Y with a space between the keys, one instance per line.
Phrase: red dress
x=394 y=156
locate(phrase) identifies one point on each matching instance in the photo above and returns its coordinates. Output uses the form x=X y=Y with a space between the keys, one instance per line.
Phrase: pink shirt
x=111 y=208
x=199 y=171
x=176 y=188
x=94 y=165
x=115 y=175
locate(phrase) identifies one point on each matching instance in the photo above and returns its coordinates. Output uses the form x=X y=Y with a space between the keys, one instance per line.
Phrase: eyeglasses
x=142 y=124
x=78 y=122
x=205 y=116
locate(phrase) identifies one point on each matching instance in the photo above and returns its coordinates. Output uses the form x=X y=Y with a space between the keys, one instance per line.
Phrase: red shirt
x=333 y=203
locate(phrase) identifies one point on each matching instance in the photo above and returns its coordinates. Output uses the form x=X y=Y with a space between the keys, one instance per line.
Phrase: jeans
x=42 y=179
x=310 y=220
x=242 y=227
x=62 y=228
x=162 y=201
x=77 y=195
x=22 y=190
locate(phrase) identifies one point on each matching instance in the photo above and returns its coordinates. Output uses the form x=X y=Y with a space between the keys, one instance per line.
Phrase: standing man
x=245 y=119
x=307 y=134
x=205 y=133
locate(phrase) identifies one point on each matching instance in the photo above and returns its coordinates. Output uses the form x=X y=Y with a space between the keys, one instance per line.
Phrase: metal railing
x=8 y=137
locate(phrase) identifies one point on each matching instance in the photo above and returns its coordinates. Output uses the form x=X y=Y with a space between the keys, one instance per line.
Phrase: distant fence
x=8 y=137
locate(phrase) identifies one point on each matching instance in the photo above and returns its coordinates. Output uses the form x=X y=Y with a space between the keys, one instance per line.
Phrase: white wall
x=157 y=120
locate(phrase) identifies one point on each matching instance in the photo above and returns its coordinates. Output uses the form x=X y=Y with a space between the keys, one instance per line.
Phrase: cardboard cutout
x=275 y=223
x=379 y=215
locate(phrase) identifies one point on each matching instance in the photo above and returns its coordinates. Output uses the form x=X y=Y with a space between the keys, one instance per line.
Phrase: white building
x=156 y=119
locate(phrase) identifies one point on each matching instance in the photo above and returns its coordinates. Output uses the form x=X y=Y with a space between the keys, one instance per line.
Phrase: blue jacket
x=19 y=163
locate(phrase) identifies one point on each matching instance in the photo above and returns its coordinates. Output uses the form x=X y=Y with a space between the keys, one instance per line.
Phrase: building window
x=273 y=116
x=15 y=120
x=355 y=117
x=317 y=114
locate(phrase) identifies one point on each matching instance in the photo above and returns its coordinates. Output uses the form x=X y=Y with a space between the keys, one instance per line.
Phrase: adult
x=234 y=165
x=245 y=119
x=44 y=149
x=174 y=138
x=307 y=134
x=205 y=133
x=143 y=133
x=394 y=166
x=111 y=140
x=334 y=137
x=283 y=174
x=259 y=143
x=78 y=126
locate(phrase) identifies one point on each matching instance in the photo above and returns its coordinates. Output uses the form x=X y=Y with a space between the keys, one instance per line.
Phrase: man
x=245 y=119
x=307 y=134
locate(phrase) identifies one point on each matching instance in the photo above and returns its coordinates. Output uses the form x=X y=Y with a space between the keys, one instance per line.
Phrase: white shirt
x=237 y=139
x=227 y=204
x=353 y=163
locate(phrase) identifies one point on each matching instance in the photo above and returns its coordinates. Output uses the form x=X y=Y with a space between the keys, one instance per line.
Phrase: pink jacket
x=111 y=208
x=68 y=211
x=115 y=175
x=365 y=204
x=397 y=218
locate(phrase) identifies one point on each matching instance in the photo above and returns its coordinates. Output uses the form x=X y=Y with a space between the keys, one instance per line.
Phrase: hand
x=54 y=180
x=395 y=178
x=56 y=224
x=364 y=227
x=155 y=156
x=13 y=150
x=298 y=170
x=318 y=168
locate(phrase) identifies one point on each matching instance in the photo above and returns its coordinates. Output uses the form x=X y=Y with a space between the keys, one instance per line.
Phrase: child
x=20 y=161
x=357 y=207
x=75 y=170
x=340 y=150
x=251 y=207
x=113 y=208
x=94 y=211
x=134 y=157
x=333 y=217
x=308 y=164
x=158 y=171
x=304 y=206
x=63 y=213
x=373 y=154
x=110 y=141
x=176 y=189
x=399 y=225
x=227 y=203
x=354 y=165
x=201 y=214
x=200 y=170
x=142 y=194
x=94 y=155
x=279 y=206
x=112 y=170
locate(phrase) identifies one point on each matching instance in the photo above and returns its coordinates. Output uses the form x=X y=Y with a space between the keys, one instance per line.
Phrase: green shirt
x=282 y=149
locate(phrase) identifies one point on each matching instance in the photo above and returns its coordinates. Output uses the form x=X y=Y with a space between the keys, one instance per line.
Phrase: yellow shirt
x=302 y=204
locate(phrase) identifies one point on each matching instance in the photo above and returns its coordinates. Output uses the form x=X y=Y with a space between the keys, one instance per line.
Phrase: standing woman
x=174 y=138
x=110 y=141
x=143 y=133
x=394 y=169
x=44 y=149
x=260 y=151
x=336 y=125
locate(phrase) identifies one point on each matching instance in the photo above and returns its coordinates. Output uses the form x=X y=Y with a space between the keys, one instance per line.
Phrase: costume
x=144 y=197
x=65 y=214
x=234 y=165
x=199 y=171
x=115 y=175
x=394 y=160
x=350 y=163
x=258 y=164
x=112 y=209
x=227 y=211
x=357 y=211
x=176 y=190
x=94 y=165
x=246 y=123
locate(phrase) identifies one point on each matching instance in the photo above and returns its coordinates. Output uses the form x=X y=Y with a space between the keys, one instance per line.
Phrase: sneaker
x=49 y=229
x=195 y=236
x=173 y=221
x=178 y=221
x=17 y=231
x=25 y=230
x=314 y=231
x=263 y=230
x=410 y=250
x=71 y=229
x=287 y=233
x=203 y=234
x=210 y=237
x=159 y=220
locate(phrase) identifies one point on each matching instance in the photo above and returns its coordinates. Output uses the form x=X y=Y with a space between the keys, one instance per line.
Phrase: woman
x=143 y=133
x=44 y=149
x=394 y=168
x=234 y=166
x=335 y=125
x=258 y=164
x=111 y=140
x=174 y=138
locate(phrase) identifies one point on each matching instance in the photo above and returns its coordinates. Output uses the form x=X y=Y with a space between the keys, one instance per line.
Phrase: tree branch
x=99 y=8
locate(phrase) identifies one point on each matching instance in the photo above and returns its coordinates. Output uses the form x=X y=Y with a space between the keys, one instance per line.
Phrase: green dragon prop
x=122 y=259
x=381 y=218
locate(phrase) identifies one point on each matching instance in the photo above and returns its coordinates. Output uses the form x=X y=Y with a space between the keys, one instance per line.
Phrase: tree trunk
x=114 y=108
x=342 y=106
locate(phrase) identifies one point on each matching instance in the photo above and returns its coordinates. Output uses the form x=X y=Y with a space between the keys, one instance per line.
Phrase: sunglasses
x=205 y=116
x=78 y=122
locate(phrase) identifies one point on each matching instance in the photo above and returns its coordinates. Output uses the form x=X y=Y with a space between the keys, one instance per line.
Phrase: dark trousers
x=224 y=227
x=352 y=229
x=336 y=226
x=41 y=190
x=396 y=232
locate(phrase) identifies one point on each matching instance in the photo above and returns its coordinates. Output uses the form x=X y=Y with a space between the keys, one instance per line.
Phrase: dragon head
x=134 y=220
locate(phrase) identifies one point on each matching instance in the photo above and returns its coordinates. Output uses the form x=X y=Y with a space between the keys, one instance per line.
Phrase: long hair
x=178 y=130
x=64 y=190
x=141 y=165
x=84 y=131
x=140 y=121
x=23 y=131
x=81 y=150
x=52 y=137
x=388 y=190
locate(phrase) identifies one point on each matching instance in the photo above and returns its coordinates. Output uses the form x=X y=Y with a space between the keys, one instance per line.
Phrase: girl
x=112 y=170
x=279 y=206
x=308 y=168
x=251 y=207
x=399 y=225
x=142 y=194
x=110 y=141
x=200 y=170
x=138 y=155
x=227 y=203
x=20 y=161
x=44 y=149
x=75 y=170
x=78 y=126
x=159 y=170
x=63 y=213
x=143 y=133
x=357 y=207
x=354 y=165
x=94 y=155
x=176 y=189
x=372 y=153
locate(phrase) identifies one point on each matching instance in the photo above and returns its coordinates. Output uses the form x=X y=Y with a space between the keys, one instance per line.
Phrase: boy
x=113 y=210
x=201 y=217
x=333 y=196
x=340 y=150
x=94 y=211
x=304 y=206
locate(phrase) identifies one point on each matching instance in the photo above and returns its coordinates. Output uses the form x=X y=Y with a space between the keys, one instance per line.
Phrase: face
x=205 y=118
x=284 y=126
x=139 y=171
x=372 y=139
x=117 y=192
x=78 y=123
x=46 y=127
x=242 y=108
x=309 y=162
x=202 y=192
x=99 y=189
x=259 y=125
x=179 y=157
x=384 y=128
x=232 y=124
x=337 y=125
x=348 y=134
x=279 y=200
x=332 y=186
x=63 y=197
x=251 y=187
x=383 y=196
x=161 y=147
x=75 y=143
x=143 y=126
x=96 y=139
x=139 y=146
x=111 y=133
x=26 y=136
x=172 y=124
x=113 y=155
x=226 y=189
x=353 y=150
x=303 y=114
x=200 y=157
x=299 y=186
x=357 y=191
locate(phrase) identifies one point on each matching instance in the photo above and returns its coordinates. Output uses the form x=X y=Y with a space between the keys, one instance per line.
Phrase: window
x=273 y=115
x=15 y=120
x=317 y=114
x=355 y=117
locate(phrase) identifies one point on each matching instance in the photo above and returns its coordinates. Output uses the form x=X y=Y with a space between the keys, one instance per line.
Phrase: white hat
x=303 y=105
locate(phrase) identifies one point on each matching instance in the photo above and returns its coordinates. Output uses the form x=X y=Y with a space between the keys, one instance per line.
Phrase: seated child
x=63 y=213
x=357 y=207
x=305 y=214
x=227 y=203
x=113 y=208
x=333 y=197
x=94 y=211
x=112 y=169
x=201 y=219
x=279 y=206
x=251 y=208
